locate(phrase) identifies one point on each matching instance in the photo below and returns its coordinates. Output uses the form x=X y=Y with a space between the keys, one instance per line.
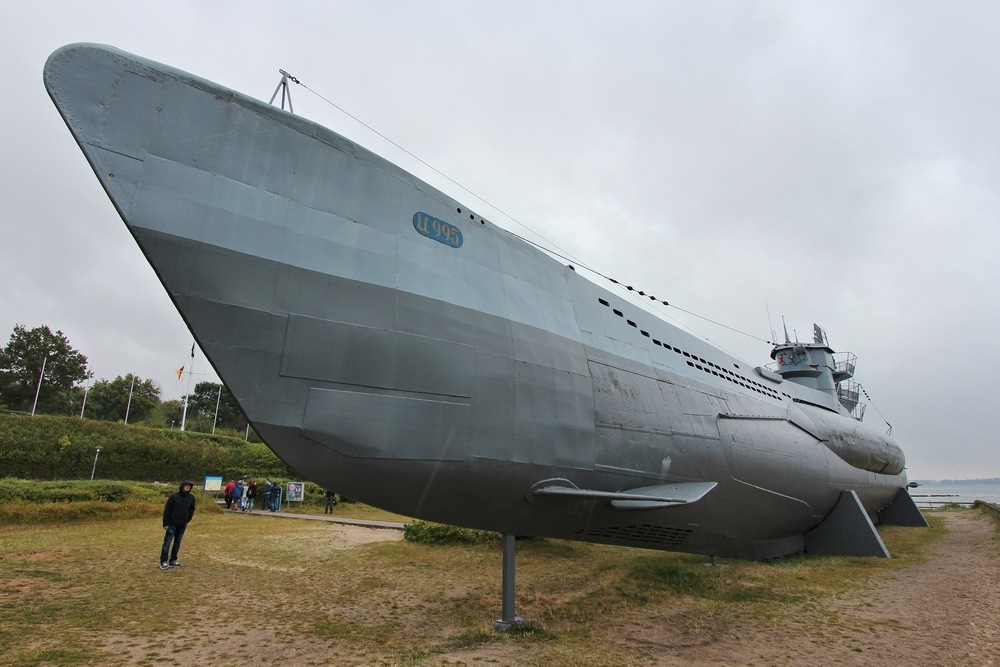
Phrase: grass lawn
x=259 y=590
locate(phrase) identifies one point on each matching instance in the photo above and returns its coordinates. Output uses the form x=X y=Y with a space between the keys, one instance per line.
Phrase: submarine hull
x=389 y=343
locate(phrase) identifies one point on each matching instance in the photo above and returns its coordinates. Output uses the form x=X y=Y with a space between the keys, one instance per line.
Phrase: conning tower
x=816 y=365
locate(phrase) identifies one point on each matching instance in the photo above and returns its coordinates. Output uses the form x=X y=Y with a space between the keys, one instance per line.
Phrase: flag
x=192 y=350
x=180 y=372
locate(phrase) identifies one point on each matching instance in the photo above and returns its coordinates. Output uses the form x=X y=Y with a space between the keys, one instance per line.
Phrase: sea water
x=933 y=493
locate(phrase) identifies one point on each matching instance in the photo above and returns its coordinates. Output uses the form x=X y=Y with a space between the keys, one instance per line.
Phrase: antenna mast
x=770 y=324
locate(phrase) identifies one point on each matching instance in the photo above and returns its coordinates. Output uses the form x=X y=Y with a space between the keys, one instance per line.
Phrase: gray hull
x=389 y=343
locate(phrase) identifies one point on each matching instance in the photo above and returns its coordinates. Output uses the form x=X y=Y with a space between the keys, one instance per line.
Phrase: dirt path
x=945 y=611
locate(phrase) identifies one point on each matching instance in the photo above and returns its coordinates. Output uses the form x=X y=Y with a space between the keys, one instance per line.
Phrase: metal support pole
x=509 y=619
x=509 y=542
x=286 y=92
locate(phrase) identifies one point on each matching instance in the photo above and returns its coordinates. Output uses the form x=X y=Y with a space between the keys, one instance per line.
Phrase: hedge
x=51 y=448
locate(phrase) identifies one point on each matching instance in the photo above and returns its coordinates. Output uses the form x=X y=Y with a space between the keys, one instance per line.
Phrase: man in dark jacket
x=176 y=515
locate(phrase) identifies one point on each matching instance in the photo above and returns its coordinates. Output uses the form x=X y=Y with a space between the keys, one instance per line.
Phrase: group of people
x=240 y=495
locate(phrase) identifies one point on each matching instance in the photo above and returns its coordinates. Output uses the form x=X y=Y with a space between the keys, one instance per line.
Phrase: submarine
x=389 y=342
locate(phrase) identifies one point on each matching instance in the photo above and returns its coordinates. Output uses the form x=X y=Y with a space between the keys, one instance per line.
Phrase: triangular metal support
x=846 y=531
x=902 y=511
x=286 y=92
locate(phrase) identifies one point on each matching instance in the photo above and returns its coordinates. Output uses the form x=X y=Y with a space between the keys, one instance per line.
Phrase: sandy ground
x=944 y=611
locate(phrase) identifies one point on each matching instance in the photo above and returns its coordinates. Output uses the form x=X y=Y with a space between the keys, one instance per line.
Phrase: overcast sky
x=836 y=163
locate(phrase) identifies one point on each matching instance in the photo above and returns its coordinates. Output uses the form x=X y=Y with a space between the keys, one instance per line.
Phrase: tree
x=167 y=414
x=202 y=403
x=109 y=400
x=21 y=365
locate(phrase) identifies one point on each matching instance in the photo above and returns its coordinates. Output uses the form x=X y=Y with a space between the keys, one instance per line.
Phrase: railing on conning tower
x=849 y=395
x=844 y=364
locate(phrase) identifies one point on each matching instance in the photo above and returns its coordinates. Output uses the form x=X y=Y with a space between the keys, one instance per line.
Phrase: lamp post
x=94 y=469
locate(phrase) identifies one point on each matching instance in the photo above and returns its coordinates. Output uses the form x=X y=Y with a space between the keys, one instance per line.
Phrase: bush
x=438 y=533
x=29 y=502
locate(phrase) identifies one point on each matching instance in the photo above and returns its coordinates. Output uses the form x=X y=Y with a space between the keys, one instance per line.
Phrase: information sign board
x=296 y=492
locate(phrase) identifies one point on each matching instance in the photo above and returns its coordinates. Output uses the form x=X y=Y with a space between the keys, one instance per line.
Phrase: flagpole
x=129 y=406
x=86 y=390
x=187 y=394
x=217 y=401
x=38 y=391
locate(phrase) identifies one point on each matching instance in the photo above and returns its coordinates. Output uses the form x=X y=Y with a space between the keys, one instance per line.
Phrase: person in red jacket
x=177 y=513
x=229 y=494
